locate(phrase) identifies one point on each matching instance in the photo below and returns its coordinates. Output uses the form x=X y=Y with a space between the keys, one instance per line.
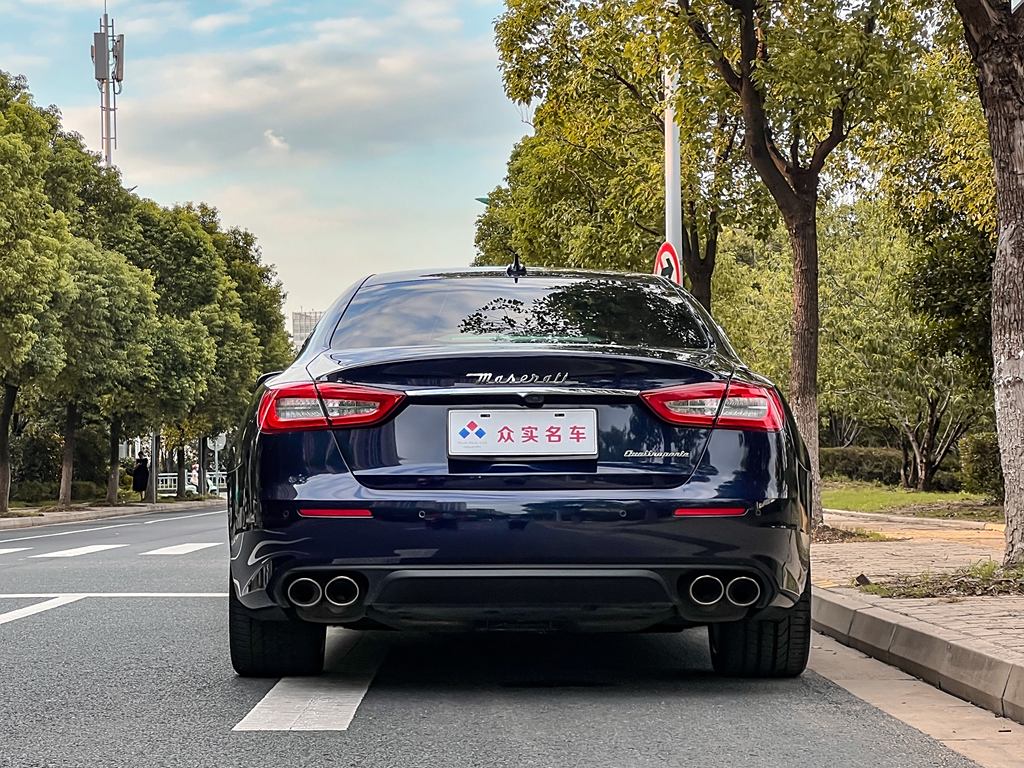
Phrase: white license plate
x=528 y=433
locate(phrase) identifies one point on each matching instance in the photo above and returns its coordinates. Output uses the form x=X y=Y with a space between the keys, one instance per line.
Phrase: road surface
x=113 y=653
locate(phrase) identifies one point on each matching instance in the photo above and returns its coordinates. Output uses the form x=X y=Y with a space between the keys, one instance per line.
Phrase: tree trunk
x=114 y=476
x=154 y=467
x=203 y=484
x=6 y=416
x=180 y=461
x=925 y=474
x=995 y=37
x=802 y=225
x=700 y=269
x=67 y=465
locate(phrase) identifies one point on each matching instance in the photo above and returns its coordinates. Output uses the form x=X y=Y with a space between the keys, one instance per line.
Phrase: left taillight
x=292 y=407
x=745 y=406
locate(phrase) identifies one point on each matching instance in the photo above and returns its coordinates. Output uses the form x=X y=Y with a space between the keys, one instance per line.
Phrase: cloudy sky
x=351 y=136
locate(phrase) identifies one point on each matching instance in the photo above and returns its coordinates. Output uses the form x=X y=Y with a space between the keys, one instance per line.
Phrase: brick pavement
x=991 y=622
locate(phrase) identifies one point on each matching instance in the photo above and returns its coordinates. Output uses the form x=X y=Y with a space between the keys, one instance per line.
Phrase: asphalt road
x=136 y=673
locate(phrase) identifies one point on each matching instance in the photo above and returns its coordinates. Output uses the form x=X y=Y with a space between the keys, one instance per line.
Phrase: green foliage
x=873 y=465
x=982 y=470
x=34 y=491
x=936 y=170
x=31 y=259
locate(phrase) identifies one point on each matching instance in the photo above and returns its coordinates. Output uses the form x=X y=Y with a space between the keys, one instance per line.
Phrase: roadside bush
x=873 y=465
x=34 y=491
x=946 y=481
x=982 y=471
x=85 y=490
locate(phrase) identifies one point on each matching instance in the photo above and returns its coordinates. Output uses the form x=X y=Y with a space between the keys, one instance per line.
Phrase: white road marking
x=69 y=533
x=181 y=549
x=31 y=610
x=326 y=703
x=78 y=551
x=184 y=517
x=80 y=595
x=12 y=550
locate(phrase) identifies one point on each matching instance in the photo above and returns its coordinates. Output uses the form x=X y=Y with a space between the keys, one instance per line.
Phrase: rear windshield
x=537 y=310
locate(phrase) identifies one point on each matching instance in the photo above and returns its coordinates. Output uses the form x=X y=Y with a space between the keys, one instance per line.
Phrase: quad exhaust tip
x=341 y=591
x=304 y=593
x=706 y=590
x=743 y=591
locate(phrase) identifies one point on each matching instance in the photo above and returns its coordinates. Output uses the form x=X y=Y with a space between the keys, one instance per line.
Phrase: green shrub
x=946 y=481
x=34 y=491
x=873 y=465
x=84 y=490
x=982 y=471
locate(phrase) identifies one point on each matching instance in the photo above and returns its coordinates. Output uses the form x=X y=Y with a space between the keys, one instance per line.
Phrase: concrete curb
x=953 y=662
x=937 y=522
x=103 y=513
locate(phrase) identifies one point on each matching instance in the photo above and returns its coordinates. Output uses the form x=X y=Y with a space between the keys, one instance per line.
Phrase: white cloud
x=275 y=142
x=215 y=22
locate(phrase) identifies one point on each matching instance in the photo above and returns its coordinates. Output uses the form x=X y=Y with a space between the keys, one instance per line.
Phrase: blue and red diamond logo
x=472 y=429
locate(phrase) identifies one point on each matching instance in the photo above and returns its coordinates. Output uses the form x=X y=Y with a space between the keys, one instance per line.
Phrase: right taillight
x=746 y=406
x=305 y=406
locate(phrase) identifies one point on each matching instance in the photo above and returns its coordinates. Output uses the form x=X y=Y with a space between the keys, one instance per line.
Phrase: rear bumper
x=547 y=572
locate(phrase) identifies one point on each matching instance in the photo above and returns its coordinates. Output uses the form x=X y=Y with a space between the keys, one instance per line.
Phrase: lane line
x=106 y=527
x=181 y=549
x=69 y=533
x=186 y=517
x=12 y=550
x=78 y=551
x=31 y=610
x=326 y=703
x=79 y=595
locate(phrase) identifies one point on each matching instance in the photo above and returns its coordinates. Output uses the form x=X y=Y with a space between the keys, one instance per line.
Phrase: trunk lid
x=635 y=448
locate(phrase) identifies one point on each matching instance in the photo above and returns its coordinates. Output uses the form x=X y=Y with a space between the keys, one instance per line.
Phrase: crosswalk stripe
x=326 y=703
x=180 y=549
x=81 y=550
x=31 y=610
x=12 y=550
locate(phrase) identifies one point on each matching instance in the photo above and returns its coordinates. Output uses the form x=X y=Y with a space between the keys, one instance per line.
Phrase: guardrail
x=167 y=482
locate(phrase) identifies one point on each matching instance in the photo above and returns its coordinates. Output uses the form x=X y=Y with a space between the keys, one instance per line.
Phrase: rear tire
x=273 y=648
x=764 y=648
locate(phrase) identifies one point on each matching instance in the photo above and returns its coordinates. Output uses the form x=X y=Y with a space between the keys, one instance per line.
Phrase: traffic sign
x=667 y=263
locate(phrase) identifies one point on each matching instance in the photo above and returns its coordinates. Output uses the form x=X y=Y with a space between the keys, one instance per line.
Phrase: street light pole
x=673 y=181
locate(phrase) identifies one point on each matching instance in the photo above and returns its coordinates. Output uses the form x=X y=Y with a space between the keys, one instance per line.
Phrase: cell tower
x=108 y=60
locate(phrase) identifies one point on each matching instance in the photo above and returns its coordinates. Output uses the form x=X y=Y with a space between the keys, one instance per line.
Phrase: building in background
x=303 y=324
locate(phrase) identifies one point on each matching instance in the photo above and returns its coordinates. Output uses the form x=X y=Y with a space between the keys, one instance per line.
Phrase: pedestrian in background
x=140 y=476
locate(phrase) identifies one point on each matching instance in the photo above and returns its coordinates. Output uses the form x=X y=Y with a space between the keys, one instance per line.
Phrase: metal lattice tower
x=108 y=61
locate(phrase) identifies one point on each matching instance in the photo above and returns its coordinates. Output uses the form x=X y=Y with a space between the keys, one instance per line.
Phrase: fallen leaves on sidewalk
x=984 y=579
x=826 y=534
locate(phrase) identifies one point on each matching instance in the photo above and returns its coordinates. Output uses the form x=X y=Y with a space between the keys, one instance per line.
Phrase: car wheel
x=764 y=648
x=273 y=648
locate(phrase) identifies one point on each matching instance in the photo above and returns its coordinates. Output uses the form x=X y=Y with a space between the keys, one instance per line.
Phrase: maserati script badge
x=524 y=378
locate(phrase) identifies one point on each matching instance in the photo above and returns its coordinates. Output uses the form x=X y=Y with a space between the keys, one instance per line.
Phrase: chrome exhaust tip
x=706 y=590
x=743 y=591
x=342 y=591
x=304 y=593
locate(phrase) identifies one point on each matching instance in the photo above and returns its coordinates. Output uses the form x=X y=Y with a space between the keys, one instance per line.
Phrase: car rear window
x=539 y=310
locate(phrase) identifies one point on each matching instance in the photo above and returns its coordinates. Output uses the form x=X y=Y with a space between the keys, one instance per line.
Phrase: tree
x=104 y=333
x=585 y=189
x=995 y=38
x=32 y=282
x=805 y=75
x=936 y=170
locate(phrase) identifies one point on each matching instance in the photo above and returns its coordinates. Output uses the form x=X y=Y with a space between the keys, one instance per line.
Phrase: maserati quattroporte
x=538 y=450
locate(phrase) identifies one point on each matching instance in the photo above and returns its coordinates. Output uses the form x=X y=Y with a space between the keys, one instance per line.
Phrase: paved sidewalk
x=972 y=647
x=84 y=514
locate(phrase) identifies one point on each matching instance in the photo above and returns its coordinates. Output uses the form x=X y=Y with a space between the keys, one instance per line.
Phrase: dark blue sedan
x=556 y=451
